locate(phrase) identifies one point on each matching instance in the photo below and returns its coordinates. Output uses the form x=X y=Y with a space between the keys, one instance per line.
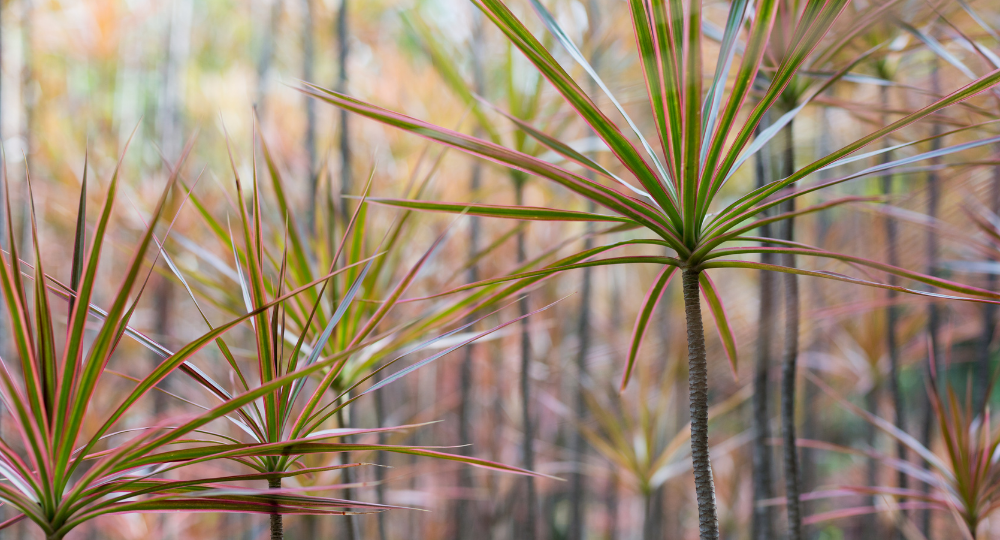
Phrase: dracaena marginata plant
x=60 y=475
x=705 y=135
x=963 y=477
x=328 y=326
x=643 y=438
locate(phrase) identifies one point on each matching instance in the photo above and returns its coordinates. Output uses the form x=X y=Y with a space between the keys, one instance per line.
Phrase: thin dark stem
x=708 y=520
x=788 y=375
x=612 y=507
x=934 y=311
x=892 y=319
x=578 y=486
x=345 y=138
x=762 y=525
x=579 y=444
x=351 y=522
x=531 y=499
x=464 y=514
x=652 y=525
x=382 y=439
x=307 y=75
x=266 y=55
x=789 y=362
x=871 y=403
x=465 y=511
x=277 y=527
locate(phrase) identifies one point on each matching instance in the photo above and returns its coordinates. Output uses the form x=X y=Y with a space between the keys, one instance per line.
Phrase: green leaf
x=575 y=53
x=604 y=127
x=623 y=205
x=642 y=321
x=721 y=321
x=531 y=213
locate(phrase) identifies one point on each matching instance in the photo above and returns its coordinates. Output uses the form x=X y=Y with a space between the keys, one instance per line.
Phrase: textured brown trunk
x=277 y=527
x=762 y=521
x=708 y=520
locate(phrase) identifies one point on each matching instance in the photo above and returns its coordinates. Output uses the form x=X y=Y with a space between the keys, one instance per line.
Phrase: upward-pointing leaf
x=574 y=52
x=80 y=238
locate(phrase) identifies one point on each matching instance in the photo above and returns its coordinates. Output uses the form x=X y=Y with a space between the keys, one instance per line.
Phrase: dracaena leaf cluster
x=60 y=474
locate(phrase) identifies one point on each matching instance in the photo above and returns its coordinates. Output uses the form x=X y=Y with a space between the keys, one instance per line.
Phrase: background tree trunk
x=269 y=29
x=528 y=441
x=892 y=318
x=790 y=357
x=934 y=311
x=308 y=59
x=578 y=486
x=762 y=519
x=465 y=510
x=345 y=138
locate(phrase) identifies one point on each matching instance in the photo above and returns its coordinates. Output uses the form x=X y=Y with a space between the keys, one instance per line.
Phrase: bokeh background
x=78 y=77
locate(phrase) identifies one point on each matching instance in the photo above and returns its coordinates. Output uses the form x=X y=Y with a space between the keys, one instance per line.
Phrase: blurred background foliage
x=78 y=76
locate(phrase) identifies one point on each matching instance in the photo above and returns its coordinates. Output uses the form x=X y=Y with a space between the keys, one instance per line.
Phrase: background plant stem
x=762 y=524
x=790 y=357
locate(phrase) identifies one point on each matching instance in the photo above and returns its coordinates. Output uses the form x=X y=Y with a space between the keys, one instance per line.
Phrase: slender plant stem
x=892 y=319
x=266 y=55
x=382 y=439
x=345 y=139
x=652 y=525
x=934 y=311
x=277 y=527
x=465 y=512
x=352 y=530
x=788 y=375
x=611 y=502
x=578 y=487
x=307 y=75
x=789 y=361
x=528 y=446
x=762 y=520
x=708 y=521
x=871 y=473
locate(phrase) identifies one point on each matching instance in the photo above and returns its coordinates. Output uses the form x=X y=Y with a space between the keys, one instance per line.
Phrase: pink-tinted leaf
x=649 y=304
x=708 y=290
